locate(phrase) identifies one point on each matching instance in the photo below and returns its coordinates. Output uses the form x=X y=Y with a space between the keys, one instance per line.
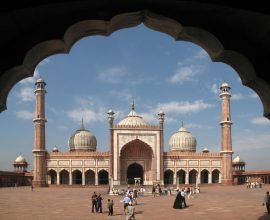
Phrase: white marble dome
x=133 y=119
x=82 y=140
x=238 y=160
x=182 y=140
x=225 y=85
x=20 y=159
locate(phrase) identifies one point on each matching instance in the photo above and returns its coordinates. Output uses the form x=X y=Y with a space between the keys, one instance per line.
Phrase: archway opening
x=204 y=176
x=193 y=176
x=52 y=177
x=89 y=177
x=77 y=177
x=64 y=177
x=103 y=177
x=215 y=176
x=136 y=150
x=181 y=174
x=168 y=177
x=134 y=170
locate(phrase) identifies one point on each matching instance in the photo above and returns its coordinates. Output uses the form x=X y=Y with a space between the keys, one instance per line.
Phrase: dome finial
x=82 y=125
x=133 y=105
x=182 y=124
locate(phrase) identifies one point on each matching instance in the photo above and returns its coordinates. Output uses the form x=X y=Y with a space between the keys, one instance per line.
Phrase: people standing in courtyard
x=141 y=191
x=126 y=201
x=135 y=195
x=178 y=201
x=94 y=202
x=266 y=201
x=191 y=192
x=130 y=212
x=110 y=206
x=99 y=203
x=153 y=190
x=183 y=194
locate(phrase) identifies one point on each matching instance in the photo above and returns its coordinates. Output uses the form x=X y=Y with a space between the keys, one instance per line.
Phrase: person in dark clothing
x=178 y=201
x=110 y=206
x=266 y=201
x=183 y=194
x=94 y=202
x=99 y=203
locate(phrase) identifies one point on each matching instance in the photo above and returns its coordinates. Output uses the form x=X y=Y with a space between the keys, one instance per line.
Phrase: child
x=110 y=206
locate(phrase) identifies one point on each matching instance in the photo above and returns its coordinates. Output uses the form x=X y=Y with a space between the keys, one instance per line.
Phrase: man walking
x=266 y=201
x=94 y=202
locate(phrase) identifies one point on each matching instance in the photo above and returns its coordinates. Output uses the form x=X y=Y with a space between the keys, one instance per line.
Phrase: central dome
x=182 y=140
x=133 y=118
x=82 y=140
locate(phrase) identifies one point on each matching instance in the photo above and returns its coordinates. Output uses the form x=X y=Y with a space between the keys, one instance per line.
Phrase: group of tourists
x=156 y=190
x=180 y=199
x=129 y=209
x=96 y=202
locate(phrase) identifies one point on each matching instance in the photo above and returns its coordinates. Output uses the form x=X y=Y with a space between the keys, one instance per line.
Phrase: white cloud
x=260 y=121
x=25 y=115
x=251 y=141
x=32 y=79
x=193 y=125
x=237 y=96
x=26 y=94
x=88 y=115
x=183 y=107
x=201 y=54
x=253 y=96
x=122 y=95
x=189 y=68
x=183 y=74
x=90 y=109
x=214 y=89
x=113 y=75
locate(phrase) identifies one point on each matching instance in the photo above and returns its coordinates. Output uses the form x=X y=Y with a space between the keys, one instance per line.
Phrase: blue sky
x=138 y=64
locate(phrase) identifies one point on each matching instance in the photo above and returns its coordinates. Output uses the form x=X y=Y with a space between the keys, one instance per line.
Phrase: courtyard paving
x=53 y=203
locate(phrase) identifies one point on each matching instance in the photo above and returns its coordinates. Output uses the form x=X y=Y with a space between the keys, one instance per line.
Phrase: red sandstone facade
x=136 y=151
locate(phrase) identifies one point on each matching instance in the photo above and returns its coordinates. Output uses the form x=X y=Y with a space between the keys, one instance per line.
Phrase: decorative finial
x=82 y=125
x=182 y=124
x=133 y=105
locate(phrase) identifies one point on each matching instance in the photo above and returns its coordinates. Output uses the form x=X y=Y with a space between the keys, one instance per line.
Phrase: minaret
x=110 y=120
x=161 y=118
x=40 y=165
x=226 y=139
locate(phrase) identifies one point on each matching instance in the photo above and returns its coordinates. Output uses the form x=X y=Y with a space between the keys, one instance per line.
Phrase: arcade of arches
x=89 y=177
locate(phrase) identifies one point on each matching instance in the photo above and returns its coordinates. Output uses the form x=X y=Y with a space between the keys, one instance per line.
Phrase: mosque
x=136 y=151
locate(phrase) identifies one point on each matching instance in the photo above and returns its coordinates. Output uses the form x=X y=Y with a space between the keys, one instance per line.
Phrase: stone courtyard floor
x=214 y=202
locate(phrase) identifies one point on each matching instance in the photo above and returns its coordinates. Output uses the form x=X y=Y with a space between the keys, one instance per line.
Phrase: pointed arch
x=64 y=177
x=215 y=176
x=193 y=176
x=134 y=170
x=204 y=176
x=45 y=47
x=103 y=177
x=89 y=177
x=77 y=177
x=52 y=176
x=181 y=175
x=168 y=177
